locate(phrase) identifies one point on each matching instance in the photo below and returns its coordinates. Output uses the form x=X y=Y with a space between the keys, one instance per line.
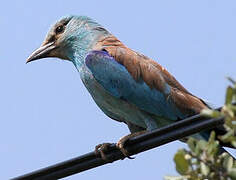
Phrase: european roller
x=129 y=87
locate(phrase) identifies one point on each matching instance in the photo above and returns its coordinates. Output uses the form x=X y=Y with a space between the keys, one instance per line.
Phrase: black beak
x=42 y=52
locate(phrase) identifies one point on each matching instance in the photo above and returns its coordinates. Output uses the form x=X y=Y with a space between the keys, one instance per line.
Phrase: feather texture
x=153 y=74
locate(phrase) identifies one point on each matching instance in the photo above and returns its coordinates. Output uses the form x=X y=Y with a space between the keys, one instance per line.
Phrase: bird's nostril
x=52 y=39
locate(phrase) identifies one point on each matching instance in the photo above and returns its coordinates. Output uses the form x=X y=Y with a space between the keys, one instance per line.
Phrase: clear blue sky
x=47 y=115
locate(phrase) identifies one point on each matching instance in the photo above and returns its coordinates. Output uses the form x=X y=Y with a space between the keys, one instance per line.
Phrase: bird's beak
x=43 y=51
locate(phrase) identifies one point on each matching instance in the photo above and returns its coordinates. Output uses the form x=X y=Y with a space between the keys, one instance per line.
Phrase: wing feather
x=142 y=68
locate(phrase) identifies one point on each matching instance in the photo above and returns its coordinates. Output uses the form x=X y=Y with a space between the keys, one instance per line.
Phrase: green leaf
x=227 y=110
x=182 y=165
x=204 y=169
x=202 y=144
x=213 y=145
x=229 y=95
x=212 y=137
x=232 y=173
x=234 y=143
x=228 y=162
x=232 y=107
x=228 y=136
x=210 y=113
x=192 y=144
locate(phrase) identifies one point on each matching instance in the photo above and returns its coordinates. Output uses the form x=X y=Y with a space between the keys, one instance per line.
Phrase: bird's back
x=153 y=74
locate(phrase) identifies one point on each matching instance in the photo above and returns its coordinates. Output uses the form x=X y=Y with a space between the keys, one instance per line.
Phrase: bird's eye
x=59 y=29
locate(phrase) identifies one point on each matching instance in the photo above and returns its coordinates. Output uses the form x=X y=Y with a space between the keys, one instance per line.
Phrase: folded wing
x=139 y=80
x=145 y=85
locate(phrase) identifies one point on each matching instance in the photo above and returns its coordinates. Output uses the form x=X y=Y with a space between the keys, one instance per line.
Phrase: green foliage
x=203 y=160
x=228 y=111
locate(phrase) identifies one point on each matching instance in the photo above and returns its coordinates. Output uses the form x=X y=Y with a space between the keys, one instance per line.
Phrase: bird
x=127 y=86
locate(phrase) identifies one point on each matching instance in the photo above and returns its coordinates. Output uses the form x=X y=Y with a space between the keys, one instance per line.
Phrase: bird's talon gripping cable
x=101 y=149
x=121 y=143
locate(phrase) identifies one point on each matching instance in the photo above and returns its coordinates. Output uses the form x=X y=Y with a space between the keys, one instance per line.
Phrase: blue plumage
x=115 y=78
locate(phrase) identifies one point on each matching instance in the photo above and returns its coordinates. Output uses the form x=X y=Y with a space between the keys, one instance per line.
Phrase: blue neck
x=81 y=45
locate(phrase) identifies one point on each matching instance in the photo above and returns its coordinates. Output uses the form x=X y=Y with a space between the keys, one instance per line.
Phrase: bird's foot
x=100 y=150
x=121 y=143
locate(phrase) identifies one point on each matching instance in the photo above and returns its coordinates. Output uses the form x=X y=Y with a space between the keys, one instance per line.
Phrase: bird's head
x=70 y=36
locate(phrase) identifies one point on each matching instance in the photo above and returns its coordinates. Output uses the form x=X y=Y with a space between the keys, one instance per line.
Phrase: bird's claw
x=121 y=143
x=100 y=150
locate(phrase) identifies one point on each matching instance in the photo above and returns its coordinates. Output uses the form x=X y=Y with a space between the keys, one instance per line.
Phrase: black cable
x=149 y=140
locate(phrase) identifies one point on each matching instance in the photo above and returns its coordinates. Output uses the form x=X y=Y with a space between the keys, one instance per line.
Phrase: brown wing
x=152 y=73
